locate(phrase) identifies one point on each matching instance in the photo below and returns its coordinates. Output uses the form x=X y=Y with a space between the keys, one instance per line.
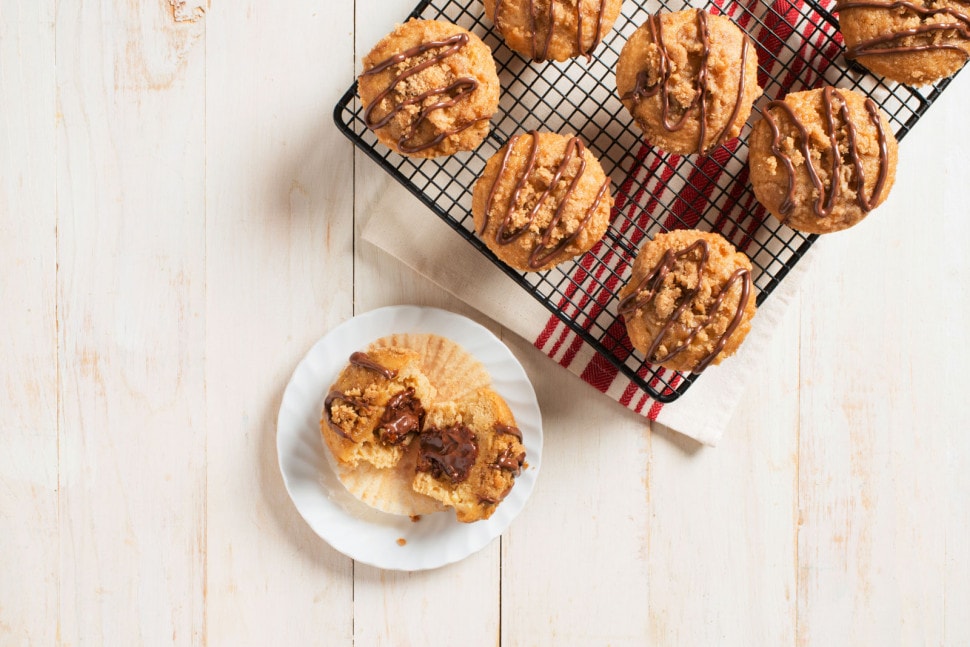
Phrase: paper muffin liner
x=453 y=371
x=388 y=490
x=455 y=374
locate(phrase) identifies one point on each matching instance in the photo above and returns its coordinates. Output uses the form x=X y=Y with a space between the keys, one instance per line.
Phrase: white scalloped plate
x=355 y=529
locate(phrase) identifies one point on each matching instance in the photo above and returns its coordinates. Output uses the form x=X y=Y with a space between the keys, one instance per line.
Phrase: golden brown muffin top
x=690 y=300
x=542 y=199
x=553 y=29
x=689 y=79
x=822 y=159
x=911 y=41
x=429 y=88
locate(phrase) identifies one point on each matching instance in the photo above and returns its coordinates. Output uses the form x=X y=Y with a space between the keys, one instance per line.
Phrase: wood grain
x=563 y=578
x=884 y=355
x=179 y=222
x=279 y=275
x=28 y=344
x=721 y=539
x=943 y=374
x=131 y=285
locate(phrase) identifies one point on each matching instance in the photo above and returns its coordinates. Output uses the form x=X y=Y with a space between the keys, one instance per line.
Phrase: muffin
x=541 y=200
x=822 y=159
x=553 y=29
x=690 y=300
x=376 y=407
x=457 y=385
x=429 y=88
x=914 y=42
x=689 y=79
x=469 y=454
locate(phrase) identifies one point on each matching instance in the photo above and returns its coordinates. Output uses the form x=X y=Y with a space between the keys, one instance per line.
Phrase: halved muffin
x=376 y=407
x=469 y=454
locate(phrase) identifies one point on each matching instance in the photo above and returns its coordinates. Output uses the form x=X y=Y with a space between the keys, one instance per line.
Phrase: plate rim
x=421 y=315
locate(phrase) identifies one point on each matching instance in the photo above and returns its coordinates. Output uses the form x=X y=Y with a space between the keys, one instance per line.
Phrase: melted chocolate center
x=402 y=415
x=648 y=288
x=447 y=453
x=510 y=461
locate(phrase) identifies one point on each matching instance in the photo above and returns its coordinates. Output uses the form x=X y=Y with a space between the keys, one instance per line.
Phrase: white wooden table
x=177 y=227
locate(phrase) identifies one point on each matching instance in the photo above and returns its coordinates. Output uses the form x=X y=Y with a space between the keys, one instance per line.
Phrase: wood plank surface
x=29 y=531
x=721 y=537
x=883 y=514
x=564 y=581
x=279 y=275
x=131 y=321
x=180 y=221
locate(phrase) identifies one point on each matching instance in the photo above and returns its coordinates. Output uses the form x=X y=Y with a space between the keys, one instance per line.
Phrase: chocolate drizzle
x=597 y=34
x=508 y=430
x=350 y=399
x=723 y=136
x=447 y=453
x=642 y=88
x=648 y=288
x=893 y=40
x=550 y=24
x=488 y=499
x=825 y=199
x=364 y=360
x=541 y=54
x=454 y=92
x=545 y=251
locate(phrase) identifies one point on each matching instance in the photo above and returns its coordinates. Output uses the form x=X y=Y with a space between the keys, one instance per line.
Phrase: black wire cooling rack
x=799 y=47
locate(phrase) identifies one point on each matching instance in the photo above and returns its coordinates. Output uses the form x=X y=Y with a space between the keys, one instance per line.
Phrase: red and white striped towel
x=797 y=49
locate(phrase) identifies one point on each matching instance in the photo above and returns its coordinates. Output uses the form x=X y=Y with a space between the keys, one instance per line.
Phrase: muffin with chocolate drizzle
x=376 y=407
x=469 y=454
x=911 y=41
x=553 y=29
x=541 y=200
x=690 y=300
x=689 y=79
x=429 y=88
x=822 y=159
